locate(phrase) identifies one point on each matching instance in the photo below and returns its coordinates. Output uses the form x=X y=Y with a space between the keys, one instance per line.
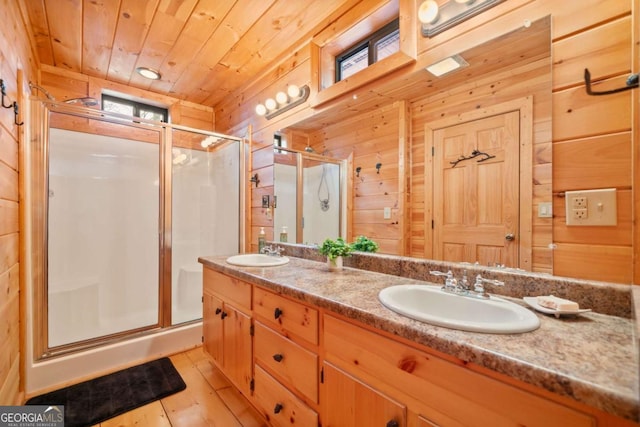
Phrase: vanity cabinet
x=227 y=327
x=350 y=402
x=436 y=390
x=286 y=359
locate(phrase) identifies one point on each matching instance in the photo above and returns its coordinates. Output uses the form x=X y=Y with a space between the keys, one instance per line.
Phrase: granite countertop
x=591 y=358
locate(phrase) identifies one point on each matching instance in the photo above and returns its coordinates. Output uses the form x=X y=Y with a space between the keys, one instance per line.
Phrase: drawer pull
x=223 y=315
x=218 y=310
x=277 y=313
x=393 y=423
x=278 y=357
x=277 y=408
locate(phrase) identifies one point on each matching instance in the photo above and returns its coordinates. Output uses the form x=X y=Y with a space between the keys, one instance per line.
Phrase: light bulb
x=293 y=91
x=261 y=110
x=281 y=98
x=428 y=12
x=270 y=104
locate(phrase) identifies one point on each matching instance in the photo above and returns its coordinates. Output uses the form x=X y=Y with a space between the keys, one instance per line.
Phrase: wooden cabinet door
x=348 y=402
x=237 y=355
x=476 y=202
x=212 y=327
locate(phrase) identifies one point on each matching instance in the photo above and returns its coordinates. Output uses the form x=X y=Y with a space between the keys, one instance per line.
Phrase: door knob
x=510 y=237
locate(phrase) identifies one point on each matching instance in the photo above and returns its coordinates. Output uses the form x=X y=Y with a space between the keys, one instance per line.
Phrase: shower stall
x=118 y=212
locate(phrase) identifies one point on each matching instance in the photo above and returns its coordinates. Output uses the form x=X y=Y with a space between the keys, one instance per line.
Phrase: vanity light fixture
x=283 y=101
x=436 y=19
x=148 y=73
x=447 y=65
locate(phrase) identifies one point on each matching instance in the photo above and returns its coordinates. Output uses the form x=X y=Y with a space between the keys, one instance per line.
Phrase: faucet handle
x=480 y=281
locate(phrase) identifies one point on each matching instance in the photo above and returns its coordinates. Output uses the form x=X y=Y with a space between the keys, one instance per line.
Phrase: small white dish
x=533 y=303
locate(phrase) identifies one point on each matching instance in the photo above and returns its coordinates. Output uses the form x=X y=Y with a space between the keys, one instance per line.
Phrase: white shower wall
x=318 y=224
x=285 y=213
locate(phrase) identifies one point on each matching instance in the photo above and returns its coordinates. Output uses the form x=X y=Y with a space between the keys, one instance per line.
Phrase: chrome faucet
x=461 y=287
x=272 y=251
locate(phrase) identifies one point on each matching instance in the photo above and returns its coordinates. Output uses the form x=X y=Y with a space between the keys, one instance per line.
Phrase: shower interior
x=128 y=207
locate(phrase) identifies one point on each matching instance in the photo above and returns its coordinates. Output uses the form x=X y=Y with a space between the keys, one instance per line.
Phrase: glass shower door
x=205 y=213
x=103 y=241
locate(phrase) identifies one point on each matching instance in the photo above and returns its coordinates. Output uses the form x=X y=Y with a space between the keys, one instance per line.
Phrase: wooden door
x=476 y=196
x=238 y=358
x=349 y=402
x=212 y=325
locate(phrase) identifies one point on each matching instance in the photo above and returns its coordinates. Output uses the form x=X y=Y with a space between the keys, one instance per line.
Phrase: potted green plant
x=364 y=244
x=334 y=250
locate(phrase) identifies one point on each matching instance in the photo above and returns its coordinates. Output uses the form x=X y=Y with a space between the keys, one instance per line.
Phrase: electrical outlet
x=265 y=201
x=580 y=213
x=591 y=207
x=579 y=202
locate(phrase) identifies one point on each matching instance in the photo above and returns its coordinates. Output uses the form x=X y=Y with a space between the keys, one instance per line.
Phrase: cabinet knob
x=277 y=313
x=218 y=310
x=393 y=423
x=223 y=315
x=277 y=408
x=278 y=357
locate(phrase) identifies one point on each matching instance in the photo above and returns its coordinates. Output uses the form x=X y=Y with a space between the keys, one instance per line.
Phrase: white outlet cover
x=601 y=207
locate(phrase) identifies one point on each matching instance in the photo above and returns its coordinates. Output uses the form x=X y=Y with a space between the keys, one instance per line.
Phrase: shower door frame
x=36 y=194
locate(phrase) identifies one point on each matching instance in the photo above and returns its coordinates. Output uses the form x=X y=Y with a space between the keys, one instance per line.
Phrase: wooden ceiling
x=204 y=49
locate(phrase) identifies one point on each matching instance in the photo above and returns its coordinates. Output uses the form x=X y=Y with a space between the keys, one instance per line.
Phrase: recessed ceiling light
x=148 y=73
x=447 y=65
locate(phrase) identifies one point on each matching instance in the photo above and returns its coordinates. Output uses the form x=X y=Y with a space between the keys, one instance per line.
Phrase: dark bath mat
x=94 y=401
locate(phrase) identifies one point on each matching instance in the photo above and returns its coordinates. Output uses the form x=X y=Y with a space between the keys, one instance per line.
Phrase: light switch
x=545 y=210
x=591 y=207
x=387 y=213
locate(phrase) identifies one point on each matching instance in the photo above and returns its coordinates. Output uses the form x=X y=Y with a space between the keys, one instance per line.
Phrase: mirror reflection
x=308 y=197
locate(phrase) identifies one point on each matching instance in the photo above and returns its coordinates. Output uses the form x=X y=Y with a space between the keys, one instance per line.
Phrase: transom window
x=134 y=108
x=377 y=46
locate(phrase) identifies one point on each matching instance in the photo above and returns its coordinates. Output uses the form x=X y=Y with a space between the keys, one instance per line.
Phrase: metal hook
x=358 y=169
x=632 y=83
x=255 y=179
x=15 y=114
x=3 y=91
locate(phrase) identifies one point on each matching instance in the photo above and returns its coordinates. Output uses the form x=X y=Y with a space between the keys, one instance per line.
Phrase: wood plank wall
x=591 y=138
x=16 y=67
x=64 y=84
x=372 y=138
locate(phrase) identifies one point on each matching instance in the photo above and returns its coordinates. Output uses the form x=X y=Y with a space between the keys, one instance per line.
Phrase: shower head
x=86 y=101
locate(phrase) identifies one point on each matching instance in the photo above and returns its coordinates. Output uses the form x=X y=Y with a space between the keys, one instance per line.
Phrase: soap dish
x=533 y=303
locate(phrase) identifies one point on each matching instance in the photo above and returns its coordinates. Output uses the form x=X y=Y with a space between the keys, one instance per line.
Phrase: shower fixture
x=43 y=90
x=85 y=101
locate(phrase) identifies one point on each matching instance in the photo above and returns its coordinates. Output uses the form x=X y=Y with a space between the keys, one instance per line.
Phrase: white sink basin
x=257 y=260
x=432 y=305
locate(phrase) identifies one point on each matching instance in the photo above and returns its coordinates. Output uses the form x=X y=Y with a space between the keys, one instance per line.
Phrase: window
x=375 y=47
x=133 y=108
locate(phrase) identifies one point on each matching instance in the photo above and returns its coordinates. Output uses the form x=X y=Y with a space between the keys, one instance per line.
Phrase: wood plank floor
x=208 y=400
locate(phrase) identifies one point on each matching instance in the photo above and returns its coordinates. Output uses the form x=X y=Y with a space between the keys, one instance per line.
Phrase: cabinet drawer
x=294 y=366
x=278 y=405
x=442 y=391
x=230 y=289
x=286 y=316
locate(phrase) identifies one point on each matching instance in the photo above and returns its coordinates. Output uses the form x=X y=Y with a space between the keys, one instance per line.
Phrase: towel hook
x=632 y=83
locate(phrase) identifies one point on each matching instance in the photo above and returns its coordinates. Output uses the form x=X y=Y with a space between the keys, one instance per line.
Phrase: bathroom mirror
x=394 y=205
x=308 y=191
